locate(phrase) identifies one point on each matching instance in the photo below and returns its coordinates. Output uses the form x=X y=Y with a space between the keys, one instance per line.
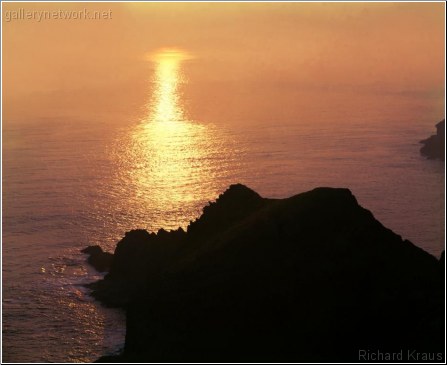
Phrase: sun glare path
x=169 y=150
x=166 y=104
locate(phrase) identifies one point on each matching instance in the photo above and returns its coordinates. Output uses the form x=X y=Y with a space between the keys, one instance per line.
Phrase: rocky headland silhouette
x=434 y=146
x=310 y=278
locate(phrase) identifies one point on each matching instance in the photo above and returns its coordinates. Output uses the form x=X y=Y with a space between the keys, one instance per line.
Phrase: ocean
x=69 y=182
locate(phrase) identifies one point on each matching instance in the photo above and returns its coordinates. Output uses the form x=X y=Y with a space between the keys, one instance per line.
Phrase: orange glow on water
x=167 y=148
x=165 y=105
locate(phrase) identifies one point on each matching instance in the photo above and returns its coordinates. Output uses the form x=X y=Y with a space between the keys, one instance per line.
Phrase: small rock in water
x=99 y=259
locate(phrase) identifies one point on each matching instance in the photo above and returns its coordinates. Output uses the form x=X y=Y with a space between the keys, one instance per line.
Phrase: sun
x=166 y=54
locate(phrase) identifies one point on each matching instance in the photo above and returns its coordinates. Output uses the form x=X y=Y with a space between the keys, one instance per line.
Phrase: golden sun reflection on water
x=171 y=155
x=165 y=103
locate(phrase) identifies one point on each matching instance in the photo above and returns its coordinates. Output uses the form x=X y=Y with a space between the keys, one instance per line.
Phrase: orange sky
x=357 y=47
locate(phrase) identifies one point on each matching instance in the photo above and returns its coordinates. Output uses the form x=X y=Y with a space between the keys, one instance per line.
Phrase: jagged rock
x=434 y=146
x=314 y=277
x=99 y=259
x=231 y=206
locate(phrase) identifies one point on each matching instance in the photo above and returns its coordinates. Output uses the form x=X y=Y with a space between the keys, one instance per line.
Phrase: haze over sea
x=149 y=138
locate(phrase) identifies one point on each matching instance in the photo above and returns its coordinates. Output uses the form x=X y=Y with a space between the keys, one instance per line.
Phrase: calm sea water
x=68 y=183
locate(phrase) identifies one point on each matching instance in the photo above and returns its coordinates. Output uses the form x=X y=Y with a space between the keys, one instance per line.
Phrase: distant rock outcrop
x=311 y=278
x=434 y=146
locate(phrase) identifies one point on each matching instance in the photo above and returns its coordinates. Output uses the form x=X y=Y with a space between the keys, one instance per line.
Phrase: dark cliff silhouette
x=434 y=146
x=313 y=277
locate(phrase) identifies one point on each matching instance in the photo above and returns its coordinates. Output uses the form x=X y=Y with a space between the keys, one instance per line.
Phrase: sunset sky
x=66 y=65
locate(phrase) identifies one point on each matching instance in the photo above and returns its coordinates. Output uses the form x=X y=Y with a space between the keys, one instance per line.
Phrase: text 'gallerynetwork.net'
x=58 y=14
